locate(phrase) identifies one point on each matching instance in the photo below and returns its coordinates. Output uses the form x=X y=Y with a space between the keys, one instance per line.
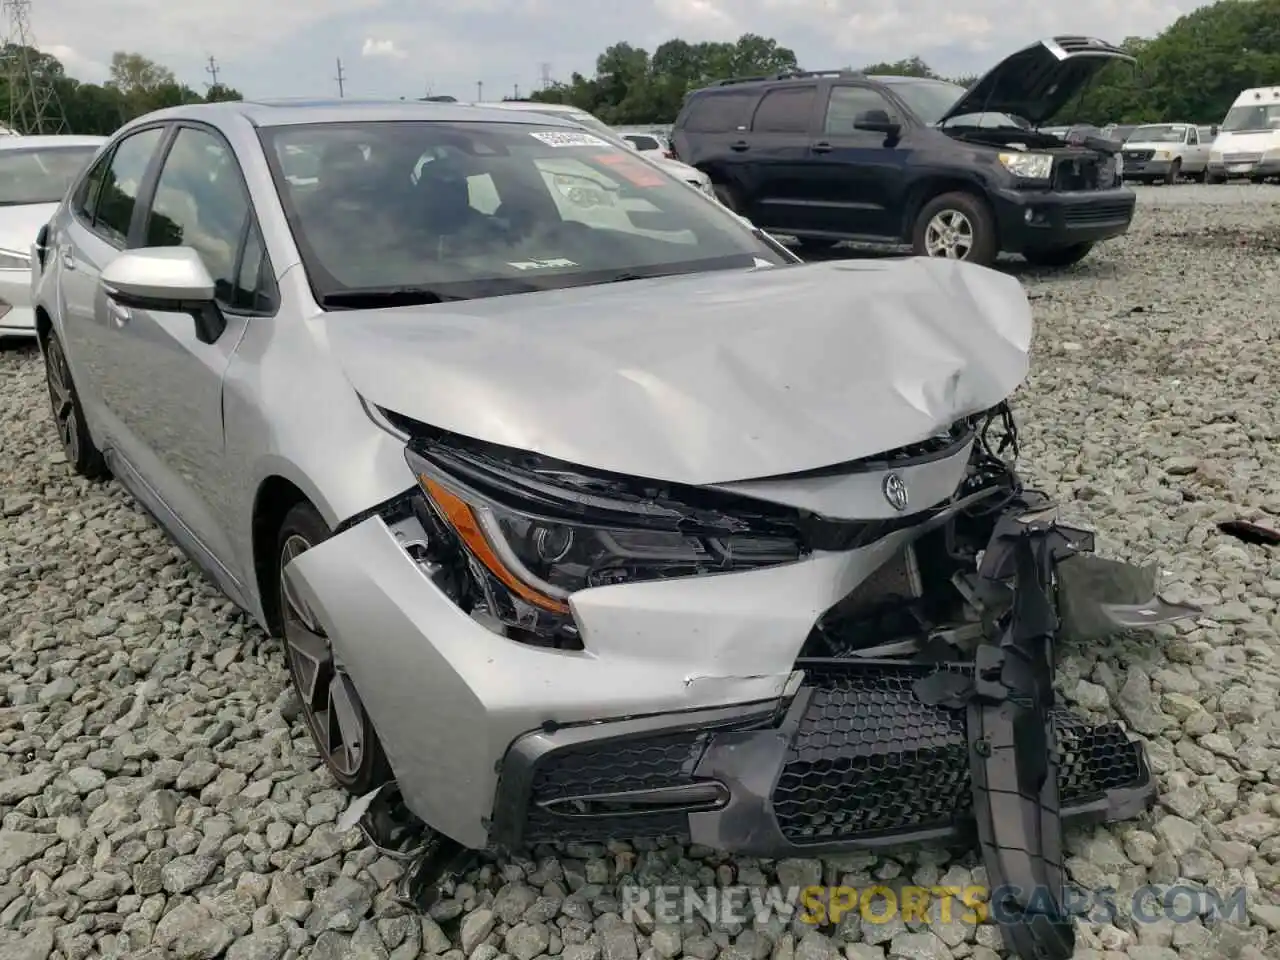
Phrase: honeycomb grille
x=869 y=759
x=661 y=761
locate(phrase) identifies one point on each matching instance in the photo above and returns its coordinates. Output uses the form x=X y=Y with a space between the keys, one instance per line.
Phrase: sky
x=411 y=48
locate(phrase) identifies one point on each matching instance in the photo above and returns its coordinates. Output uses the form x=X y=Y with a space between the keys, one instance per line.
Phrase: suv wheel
x=339 y=725
x=955 y=226
x=1057 y=256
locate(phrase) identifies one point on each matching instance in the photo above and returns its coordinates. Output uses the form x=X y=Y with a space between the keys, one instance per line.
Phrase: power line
x=213 y=71
x=34 y=107
x=342 y=80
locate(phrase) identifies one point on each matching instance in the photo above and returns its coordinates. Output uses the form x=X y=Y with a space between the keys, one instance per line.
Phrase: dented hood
x=704 y=378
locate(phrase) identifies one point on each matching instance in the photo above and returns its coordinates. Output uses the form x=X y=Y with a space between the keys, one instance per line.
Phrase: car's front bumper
x=17 y=319
x=853 y=760
x=1042 y=219
x=726 y=739
x=1146 y=169
x=1241 y=170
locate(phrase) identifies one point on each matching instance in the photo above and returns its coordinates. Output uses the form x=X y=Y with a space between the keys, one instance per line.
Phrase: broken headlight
x=536 y=531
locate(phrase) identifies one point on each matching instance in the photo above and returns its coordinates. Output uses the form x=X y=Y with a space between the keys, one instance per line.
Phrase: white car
x=650 y=144
x=1164 y=152
x=35 y=173
x=682 y=171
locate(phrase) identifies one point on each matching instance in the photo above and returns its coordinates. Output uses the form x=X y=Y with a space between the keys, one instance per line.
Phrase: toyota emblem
x=895 y=491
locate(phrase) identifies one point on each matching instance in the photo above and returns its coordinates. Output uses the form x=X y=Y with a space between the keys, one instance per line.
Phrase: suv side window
x=201 y=202
x=847 y=102
x=785 y=110
x=1193 y=136
x=119 y=192
x=718 y=112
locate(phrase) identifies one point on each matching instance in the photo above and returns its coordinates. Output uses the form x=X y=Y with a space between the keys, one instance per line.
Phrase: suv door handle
x=740 y=146
x=822 y=147
x=68 y=258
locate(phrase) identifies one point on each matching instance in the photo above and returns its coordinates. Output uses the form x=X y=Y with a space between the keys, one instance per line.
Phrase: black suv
x=831 y=156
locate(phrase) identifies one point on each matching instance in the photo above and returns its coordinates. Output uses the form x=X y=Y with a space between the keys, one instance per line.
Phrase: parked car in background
x=1059 y=132
x=1248 y=141
x=571 y=534
x=648 y=143
x=1120 y=132
x=1163 y=152
x=963 y=174
x=682 y=171
x=35 y=173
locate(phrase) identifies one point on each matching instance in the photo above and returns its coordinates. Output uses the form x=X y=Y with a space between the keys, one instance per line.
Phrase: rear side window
x=785 y=110
x=643 y=143
x=718 y=112
x=85 y=204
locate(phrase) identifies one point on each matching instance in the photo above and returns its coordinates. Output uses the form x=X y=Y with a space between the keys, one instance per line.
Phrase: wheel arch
x=929 y=188
x=275 y=497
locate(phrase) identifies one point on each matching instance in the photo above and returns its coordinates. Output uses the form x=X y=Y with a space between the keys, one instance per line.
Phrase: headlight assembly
x=1028 y=166
x=535 y=532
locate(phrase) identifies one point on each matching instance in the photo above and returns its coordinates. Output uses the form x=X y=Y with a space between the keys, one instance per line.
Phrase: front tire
x=1175 y=169
x=68 y=415
x=956 y=226
x=1057 y=256
x=340 y=727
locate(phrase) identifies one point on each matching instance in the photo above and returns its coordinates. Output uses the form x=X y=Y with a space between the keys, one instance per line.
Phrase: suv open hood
x=704 y=378
x=1039 y=80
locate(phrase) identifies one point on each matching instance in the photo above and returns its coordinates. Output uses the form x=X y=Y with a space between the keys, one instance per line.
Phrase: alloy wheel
x=949 y=235
x=329 y=702
x=61 y=399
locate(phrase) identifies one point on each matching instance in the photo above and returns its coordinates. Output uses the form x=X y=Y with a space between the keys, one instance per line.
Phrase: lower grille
x=1242 y=158
x=1082 y=173
x=1139 y=156
x=870 y=759
x=1095 y=213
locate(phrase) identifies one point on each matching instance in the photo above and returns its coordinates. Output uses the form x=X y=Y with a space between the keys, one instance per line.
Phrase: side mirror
x=166 y=280
x=876 y=121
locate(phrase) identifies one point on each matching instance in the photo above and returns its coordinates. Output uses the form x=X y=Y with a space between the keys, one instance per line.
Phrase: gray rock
x=184 y=874
x=525 y=941
x=190 y=932
x=475 y=927
x=267 y=944
x=18 y=847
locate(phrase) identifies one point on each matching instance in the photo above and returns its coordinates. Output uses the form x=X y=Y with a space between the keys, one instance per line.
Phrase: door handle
x=740 y=146
x=822 y=147
x=68 y=258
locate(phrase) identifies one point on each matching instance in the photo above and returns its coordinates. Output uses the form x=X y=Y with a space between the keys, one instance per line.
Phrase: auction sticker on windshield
x=633 y=170
x=569 y=138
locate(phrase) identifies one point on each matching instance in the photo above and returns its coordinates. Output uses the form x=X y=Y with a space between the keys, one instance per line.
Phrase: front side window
x=487 y=209
x=847 y=102
x=119 y=193
x=40 y=175
x=201 y=202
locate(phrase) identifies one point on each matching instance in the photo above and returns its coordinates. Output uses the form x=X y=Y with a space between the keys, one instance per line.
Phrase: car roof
x=290 y=112
x=50 y=140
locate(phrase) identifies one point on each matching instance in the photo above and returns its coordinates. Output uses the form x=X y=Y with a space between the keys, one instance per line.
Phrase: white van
x=1248 y=142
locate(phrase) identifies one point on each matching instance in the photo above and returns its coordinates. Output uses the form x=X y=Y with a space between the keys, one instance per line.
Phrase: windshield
x=1257 y=117
x=1159 y=133
x=40 y=174
x=486 y=209
x=928 y=99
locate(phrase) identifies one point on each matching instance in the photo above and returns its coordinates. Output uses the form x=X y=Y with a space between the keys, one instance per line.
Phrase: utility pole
x=213 y=71
x=479 y=91
x=342 y=80
x=544 y=70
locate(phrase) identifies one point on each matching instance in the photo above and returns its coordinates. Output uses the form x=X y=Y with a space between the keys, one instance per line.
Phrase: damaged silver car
x=583 y=510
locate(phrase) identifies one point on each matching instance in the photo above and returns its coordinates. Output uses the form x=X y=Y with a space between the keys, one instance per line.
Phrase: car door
x=171 y=420
x=857 y=177
x=1197 y=152
x=774 y=158
x=95 y=232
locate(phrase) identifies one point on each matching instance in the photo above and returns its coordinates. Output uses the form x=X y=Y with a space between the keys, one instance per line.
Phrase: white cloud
x=384 y=49
x=76 y=64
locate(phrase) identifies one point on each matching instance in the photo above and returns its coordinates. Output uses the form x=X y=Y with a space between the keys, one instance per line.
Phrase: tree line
x=136 y=85
x=1190 y=72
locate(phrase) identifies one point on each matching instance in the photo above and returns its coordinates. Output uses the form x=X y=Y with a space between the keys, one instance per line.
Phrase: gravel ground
x=157 y=798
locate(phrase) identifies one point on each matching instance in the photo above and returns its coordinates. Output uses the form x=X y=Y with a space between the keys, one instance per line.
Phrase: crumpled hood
x=704 y=378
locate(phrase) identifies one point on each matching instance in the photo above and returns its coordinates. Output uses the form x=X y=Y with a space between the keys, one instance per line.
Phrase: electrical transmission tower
x=213 y=70
x=34 y=107
x=545 y=81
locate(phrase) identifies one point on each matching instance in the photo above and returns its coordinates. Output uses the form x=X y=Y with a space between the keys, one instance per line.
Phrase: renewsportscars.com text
x=820 y=906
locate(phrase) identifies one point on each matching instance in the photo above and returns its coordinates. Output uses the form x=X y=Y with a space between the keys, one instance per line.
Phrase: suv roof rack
x=789 y=75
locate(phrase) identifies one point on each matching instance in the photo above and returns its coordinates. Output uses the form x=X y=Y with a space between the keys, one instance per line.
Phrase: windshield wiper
x=386 y=297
